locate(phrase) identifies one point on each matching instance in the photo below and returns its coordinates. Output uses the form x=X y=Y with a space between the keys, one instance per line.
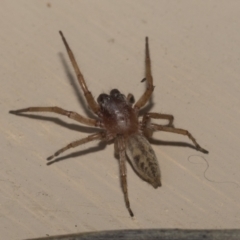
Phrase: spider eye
x=102 y=98
x=114 y=92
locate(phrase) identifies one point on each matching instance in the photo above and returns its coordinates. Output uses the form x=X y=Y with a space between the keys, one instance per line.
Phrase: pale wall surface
x=195 y=55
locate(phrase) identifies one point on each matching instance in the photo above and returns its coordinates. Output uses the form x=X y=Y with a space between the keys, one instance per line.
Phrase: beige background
x=195 y=55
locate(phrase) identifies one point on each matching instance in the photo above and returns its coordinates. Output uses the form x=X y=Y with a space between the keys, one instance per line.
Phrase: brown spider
x=118 y=120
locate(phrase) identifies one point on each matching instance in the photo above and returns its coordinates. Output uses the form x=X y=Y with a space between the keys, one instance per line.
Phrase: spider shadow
x=101 y=145
x=75 y=86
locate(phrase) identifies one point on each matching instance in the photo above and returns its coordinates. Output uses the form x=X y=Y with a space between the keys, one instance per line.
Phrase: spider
x=118 y=118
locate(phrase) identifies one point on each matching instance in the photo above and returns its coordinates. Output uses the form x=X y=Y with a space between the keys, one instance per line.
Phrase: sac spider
x=118 y=119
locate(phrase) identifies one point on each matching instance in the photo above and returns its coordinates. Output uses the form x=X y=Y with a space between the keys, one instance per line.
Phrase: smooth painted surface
x=195 y=56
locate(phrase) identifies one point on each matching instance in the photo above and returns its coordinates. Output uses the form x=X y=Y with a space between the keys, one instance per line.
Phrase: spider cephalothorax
x=118 y=116
x=118 y=119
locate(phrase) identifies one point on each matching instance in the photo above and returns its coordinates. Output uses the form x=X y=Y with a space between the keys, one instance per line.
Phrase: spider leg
x=147 y=117
x=123 y=171
x=148 y=76
x=146 y=122
x=88 y=95
x=116 y=151
x=92 y=137
x=130 y=98
x=73 y=115
x=157 y=127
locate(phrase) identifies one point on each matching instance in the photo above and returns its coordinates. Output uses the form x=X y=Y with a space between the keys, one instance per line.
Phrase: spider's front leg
x=148 y=76
x=148 y=128
x=88 y=95
x=73 y=115
x=121 y=150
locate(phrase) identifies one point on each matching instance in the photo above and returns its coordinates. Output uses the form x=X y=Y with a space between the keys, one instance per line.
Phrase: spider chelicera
x=118 y=119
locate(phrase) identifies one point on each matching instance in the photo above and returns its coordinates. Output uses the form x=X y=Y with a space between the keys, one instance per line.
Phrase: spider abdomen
x=143 y=159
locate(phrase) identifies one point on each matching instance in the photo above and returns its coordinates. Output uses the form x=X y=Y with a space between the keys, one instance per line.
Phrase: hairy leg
x=157 y=127
x=95 y=136
x=130 y=98
x=146 y=122
x=73 y=115
x=147 y=117
x=148 y=76
x=88 y=95
x=122 y=158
